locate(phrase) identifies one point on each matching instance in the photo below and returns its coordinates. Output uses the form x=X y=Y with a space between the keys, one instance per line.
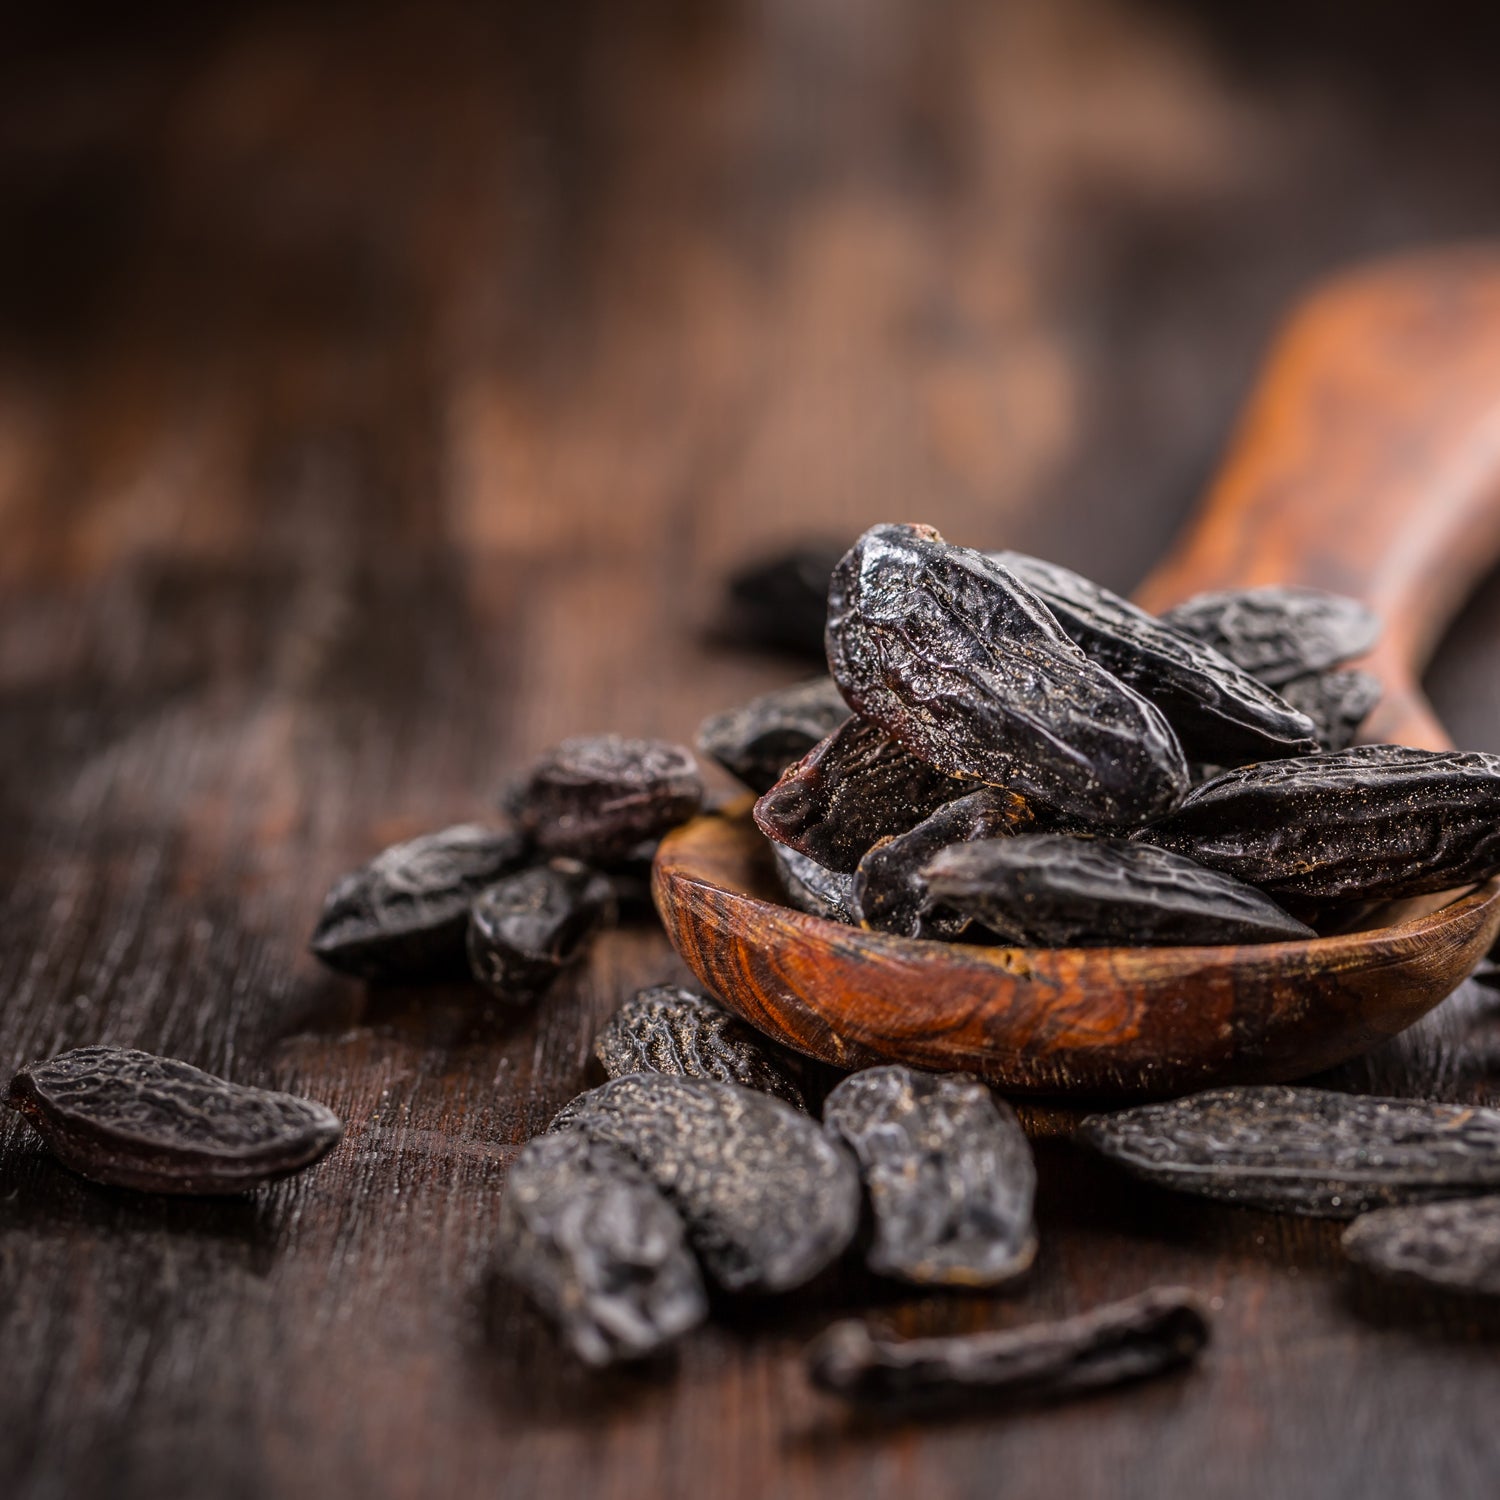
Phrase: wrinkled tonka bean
x=587 y=1235
x=131 y=1120
x=1218 y=711
x=768 y=1199
x=1152 y=1334
x=1454 y=1246
x=1062 y=891
x=1336 y=702
x=1279 y=633
x=957 y=659
x=1305 y=1151
x=758 y=741
x=673 y=1030
x=780 y=601
x=598 y=798
x=890 y=887
x=810 y=887
x=403 y=916
x=856 y=787
x=524 y=930
x=948 y=1171
x=1370 y=823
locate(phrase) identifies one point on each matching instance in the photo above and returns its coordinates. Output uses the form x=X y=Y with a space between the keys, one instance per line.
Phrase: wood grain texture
x=381 y=398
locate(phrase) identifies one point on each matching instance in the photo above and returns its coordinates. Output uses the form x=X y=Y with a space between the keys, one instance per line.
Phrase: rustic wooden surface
x=382 y=391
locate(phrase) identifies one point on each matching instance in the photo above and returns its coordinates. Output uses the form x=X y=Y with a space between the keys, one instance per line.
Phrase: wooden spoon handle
x=1368 y=462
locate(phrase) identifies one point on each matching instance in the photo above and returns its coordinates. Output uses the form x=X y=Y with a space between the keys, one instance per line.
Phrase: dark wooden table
x=383 y=393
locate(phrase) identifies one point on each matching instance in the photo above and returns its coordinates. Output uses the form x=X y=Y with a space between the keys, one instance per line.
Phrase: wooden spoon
x=1368 y=463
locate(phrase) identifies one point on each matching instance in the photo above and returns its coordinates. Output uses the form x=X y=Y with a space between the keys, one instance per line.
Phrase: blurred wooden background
x=384 y=391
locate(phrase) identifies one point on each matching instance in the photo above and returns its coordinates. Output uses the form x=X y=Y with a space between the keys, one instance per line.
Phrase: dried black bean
x=1279 y=633
x=1454 y=1246
x=856 y=787
x=1154 y=1333
x=599 y=1249
x=780 y=601
x=1337 y=703
x=1219 y=712
x=961 y=662
x=598 y=798
x=1305 y=1151
x=890 y=888
x=948 y=1171
x=769 y=1201
x=1061 y=891
x=524 y=930
x=131 y=1120
x=759 y=741
x=673 y=1030
x=403 y=916
x=1370 y=823
x=811 y=887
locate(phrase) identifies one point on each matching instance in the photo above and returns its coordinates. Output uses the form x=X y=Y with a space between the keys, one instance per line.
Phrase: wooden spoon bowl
x=1368 y=463
x=1055 y=1021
